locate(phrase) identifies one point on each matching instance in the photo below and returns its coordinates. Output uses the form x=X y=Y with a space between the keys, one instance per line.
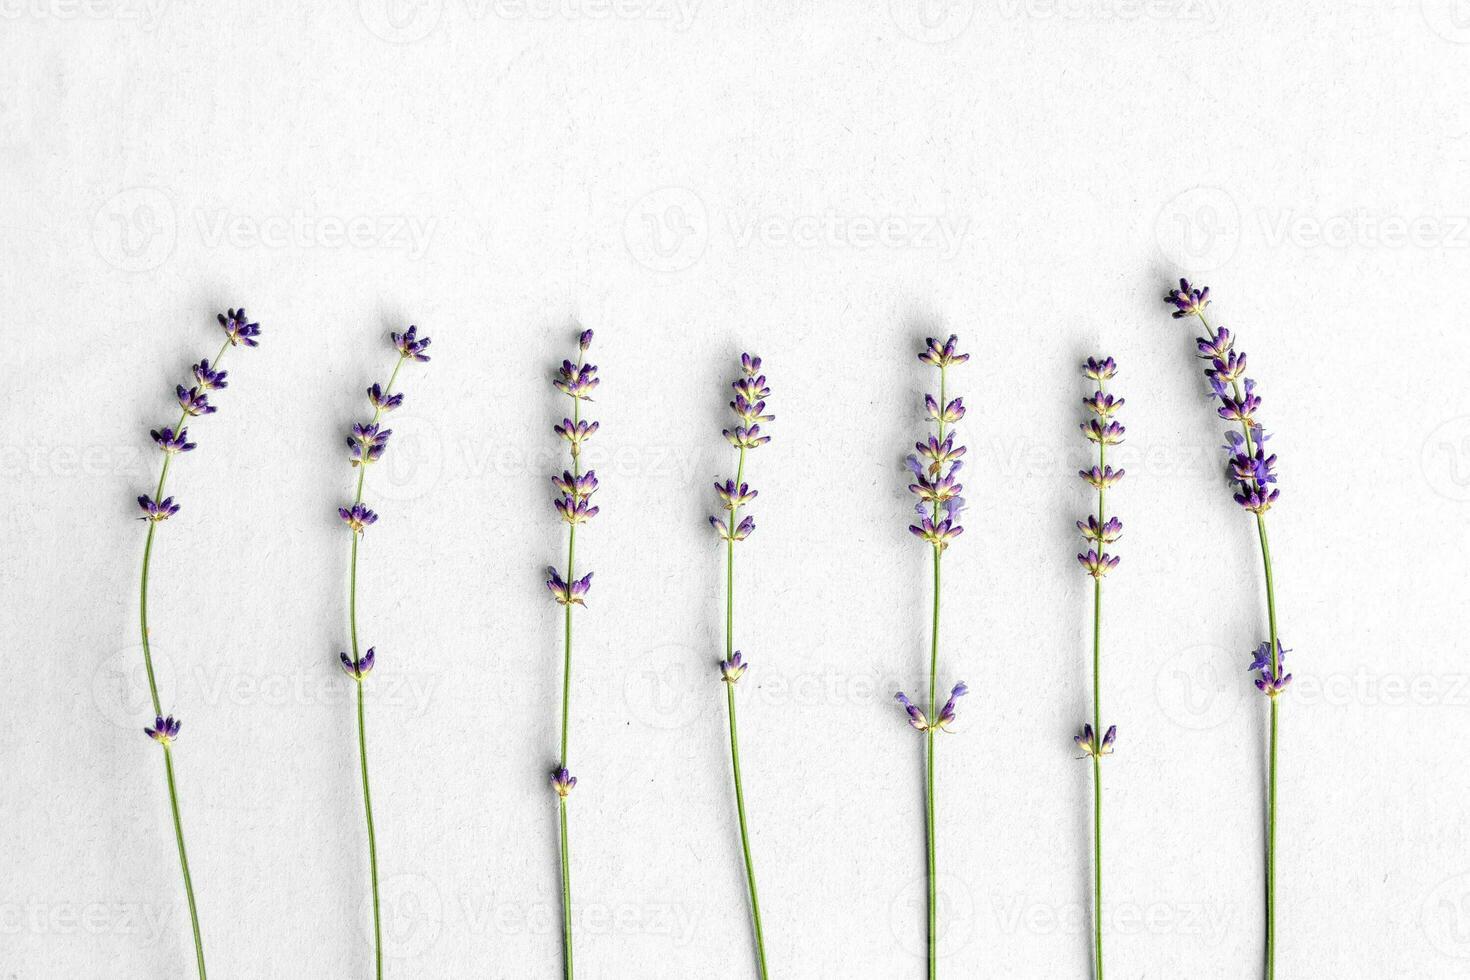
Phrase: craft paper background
x=823 y=184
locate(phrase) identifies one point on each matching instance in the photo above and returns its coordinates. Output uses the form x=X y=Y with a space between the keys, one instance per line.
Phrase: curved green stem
x=755 y=904
x=933 y=873
x=168 y=763
x=566 y=714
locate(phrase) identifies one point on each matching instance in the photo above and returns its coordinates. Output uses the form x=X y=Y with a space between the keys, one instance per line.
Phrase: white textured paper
x=822 y=184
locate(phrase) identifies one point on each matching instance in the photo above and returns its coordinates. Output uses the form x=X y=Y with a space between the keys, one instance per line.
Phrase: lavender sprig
x=936 y=461
x=1253 y=472
x=749 y=406
x=366 y=444
x=574 y=506
x=193 y=403
x=1098 y=531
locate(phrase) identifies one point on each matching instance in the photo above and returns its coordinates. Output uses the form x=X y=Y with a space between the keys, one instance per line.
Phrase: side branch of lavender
x=574 y=505
x=1098 y=531
x=1253 y=472
x=193 y=403
x=366 y=445
x=749 y=406
x=939 y=508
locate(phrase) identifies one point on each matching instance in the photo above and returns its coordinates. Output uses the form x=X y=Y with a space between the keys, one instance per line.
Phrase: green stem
x=755 y=904
x=367 y=807
x=566 y=886
x=933 y=873
x=173 y=800
x=367 y=795
x=153 y=688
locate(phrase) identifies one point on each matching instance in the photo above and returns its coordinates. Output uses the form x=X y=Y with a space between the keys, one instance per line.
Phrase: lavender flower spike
x=367 y=444
x=1255 y=488
x=193 y=403
x=1087 y=742
x=563 y=782
x=164 y=730
x=568 y=595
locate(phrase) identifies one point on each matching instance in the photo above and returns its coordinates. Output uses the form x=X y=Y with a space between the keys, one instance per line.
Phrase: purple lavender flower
x=1098 y=565
x=157 y=510
x=164 y=730
x=575 y=433
x=383 y=403
x=752 y=387
x=949 y=414
x=584 y=340
x=1215 y=345
x=1190 y=301
x=208 y=378
x=575 y=510
x=732 y=669
x=944 y=355
x=936 y=491
x=359 y=667
x=568 y=595
x=577 y=380
x=1273 y=679
x=368 y=442
x=577 y=487
x=947 y=713
x=1100 y=370
x=1102 y=478
x=917 y=718
x=939 y=534
x=741 y=532
x=1087 y=741
x=1105 y=433
x=1107 y=532
x=750 y=364
x=172 y=442
x=940 y=454
x=746 y=437
x=734 y=496
x=194 y=401
x=239 y=331
x=562 y=782
x=1254 y=468
x=410 y=346
x=1103 y=404
x=358 y=517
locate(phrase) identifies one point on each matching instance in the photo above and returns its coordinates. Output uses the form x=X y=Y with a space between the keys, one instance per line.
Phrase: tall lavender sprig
x=934 y=467
x=193 y=402
x=1098 y=531
x=366 y=445
x=574 y=505
x=749 y=406
x=1252 y=470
